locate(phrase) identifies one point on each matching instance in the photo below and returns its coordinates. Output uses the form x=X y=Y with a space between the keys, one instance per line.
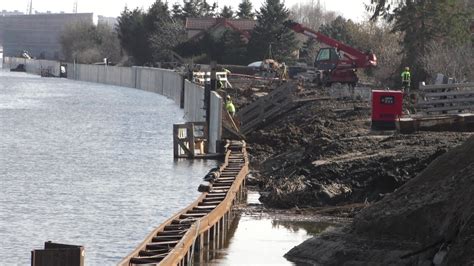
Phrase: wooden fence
x=267 y=107
x=446 y=98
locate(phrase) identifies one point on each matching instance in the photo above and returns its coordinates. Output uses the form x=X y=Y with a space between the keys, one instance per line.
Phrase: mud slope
x=428 y=220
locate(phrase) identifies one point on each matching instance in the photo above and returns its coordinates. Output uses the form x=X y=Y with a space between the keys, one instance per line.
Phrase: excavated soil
x=428 y=221
x=324 y=154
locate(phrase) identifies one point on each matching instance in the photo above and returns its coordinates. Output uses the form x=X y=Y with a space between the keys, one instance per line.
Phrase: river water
x=86 y=164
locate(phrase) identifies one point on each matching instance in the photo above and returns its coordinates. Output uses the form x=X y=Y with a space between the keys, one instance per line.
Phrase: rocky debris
x=428 y=221
x=323 y=153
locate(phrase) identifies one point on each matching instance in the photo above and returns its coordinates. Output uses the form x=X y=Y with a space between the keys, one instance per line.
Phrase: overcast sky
x=353 y=9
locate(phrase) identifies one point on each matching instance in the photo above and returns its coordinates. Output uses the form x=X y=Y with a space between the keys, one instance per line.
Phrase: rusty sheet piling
x=194 y=234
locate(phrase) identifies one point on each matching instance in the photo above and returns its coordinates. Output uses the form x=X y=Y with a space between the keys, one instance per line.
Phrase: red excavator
x=337 y=63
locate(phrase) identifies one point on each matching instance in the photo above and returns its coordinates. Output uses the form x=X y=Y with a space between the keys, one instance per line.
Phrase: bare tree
x=456 y=62
x=312 y=14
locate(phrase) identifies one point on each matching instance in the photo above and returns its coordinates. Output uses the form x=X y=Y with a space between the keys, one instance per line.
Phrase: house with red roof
x=197 y=27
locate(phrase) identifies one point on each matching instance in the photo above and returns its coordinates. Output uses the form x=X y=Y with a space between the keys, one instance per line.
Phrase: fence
x=444 y=98
x=166 y=82
x=33 y=66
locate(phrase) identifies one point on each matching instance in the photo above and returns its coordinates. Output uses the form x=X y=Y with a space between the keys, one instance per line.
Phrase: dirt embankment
x=323 y=153
x=428 y=221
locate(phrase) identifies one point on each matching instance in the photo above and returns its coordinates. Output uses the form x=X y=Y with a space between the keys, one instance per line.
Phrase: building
x=109 y=21
x=10 y=13
x=196 y=27
x=38 y=34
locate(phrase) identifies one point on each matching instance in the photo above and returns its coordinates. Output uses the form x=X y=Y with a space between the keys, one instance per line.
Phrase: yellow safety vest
x=406 y=76
x=229 y=106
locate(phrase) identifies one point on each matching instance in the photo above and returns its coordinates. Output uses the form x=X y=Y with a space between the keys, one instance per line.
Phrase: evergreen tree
x=133 y=36
x=191 y=9
x=245 y=10
x=206 y=10
x=227 y=12
x=270 y=38
x=339 y=29
x=423 y=22
x=235 y=49
x=308 y=51
x=163 y=32
x=177 y=12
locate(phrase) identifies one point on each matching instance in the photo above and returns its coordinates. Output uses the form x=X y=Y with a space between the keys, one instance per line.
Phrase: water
x=86 y=164
x=263 y=239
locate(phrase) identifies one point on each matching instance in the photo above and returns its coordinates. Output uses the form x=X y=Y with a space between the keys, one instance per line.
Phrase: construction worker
x=229 y=106
x=406 y=80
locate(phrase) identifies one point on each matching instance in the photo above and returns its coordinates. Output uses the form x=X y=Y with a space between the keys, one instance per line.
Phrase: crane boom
x=360 y=59
x=331 y=65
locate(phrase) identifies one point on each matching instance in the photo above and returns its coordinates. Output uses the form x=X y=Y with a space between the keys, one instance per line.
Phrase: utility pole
x=29 y=9
x=74 y=8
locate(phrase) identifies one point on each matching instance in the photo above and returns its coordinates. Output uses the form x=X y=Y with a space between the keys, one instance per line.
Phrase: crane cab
x=332 y=68
x=327 y=59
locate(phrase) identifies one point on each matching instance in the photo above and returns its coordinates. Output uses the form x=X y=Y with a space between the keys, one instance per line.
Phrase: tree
x=424 y=22
x=245 y=10
x=177 y=12
x=227 y=12
x=270 y=38
x=309 y=51
x=133 y=36
x=455 y=62
x=198 y=9
x=312 y=14
x=85 y=43
x=235 y=49
x=167 y=35
x=340 y=29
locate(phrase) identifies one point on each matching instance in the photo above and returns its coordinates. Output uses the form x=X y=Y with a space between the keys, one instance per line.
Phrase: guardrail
x=193 y=234
x=444 y=98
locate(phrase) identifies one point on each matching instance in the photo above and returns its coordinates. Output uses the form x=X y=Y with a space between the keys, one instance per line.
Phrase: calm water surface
x=262 y=239
x=86 y=164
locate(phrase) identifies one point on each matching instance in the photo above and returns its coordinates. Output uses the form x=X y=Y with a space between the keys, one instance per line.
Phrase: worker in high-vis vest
x=229 y=106
x=406 y=80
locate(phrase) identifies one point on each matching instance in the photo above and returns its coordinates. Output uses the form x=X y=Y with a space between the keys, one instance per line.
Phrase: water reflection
x=264 y=241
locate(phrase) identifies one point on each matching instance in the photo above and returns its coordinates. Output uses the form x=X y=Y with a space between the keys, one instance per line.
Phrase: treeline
x=429 y=36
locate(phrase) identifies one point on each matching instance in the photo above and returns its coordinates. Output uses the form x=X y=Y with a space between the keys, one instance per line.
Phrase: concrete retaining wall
x=194 y=102
x=162 y=81
x=32 y=66
x=215 y=123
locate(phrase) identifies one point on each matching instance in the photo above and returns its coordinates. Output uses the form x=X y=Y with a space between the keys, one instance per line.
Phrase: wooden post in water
x=55 y=254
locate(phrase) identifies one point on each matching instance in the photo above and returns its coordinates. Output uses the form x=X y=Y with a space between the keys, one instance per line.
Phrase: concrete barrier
x=162 y=81
x=32 y=66
x=194 y=102
x=215 y=123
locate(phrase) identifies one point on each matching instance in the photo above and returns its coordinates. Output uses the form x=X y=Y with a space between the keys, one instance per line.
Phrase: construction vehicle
x=336 y=63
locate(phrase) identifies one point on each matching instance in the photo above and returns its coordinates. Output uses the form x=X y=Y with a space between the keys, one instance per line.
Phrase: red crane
x=337 y=63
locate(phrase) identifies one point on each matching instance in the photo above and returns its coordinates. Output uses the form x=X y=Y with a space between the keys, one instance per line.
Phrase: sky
x=353 y=9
